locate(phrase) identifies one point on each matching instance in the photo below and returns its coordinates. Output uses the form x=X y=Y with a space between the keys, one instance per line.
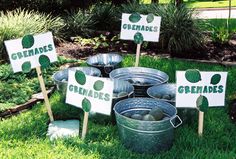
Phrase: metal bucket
x=186 y=114
x=162 y=92
x=105 y=62
x=146 y=136
x=141 y=78
x=119 y=87
x=61 y=77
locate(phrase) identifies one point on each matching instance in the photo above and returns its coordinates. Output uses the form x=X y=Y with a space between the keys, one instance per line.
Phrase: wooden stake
x=200 y=122
x=45 y=95
x=85 y=125
x=137 y=55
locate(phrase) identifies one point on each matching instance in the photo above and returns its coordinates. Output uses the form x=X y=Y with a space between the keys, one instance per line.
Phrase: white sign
x=191 y=84
x=31 y=51
x=147 y=25
x=94 y=90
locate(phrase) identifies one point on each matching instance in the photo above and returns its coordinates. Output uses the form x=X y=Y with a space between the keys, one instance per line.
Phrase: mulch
x=210 y=51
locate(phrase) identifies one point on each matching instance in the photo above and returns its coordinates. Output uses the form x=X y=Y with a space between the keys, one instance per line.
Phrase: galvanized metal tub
x=105 y=62
x=159 y=91
x=186 y=114
x=141 y=78
x=119 y=87
x=61 y=77
x=146 y=136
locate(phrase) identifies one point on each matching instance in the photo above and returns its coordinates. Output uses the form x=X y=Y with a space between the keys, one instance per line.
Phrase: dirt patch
x=210 y=51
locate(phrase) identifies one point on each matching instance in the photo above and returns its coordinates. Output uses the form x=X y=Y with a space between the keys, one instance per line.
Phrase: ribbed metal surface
x=186 y=114
x=145 y=136
x=141 y=78
x=121 y=86
x=105 y=62
x=164 y=89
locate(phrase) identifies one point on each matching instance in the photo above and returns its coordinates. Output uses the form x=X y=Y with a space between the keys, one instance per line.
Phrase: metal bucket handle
x=131 y=95
x=171 y=121
x=108 y=69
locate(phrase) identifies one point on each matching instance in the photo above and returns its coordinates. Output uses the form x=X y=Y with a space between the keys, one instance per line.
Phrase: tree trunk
x=155 y=1
x=228 y=20
x=178 y=2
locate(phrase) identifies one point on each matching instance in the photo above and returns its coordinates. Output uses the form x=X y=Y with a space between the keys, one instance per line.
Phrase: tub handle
x=131 y=95
x=173 y=124
x=108 y=69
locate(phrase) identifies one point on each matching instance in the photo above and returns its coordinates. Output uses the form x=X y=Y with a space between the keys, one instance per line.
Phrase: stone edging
x=214 y=9
x=224 y=63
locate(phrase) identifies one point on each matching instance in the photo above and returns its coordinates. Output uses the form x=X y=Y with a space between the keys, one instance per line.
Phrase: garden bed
x=24 y=136
x=211 y=51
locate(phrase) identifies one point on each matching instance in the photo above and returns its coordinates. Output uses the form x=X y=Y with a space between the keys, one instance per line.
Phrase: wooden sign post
x=89 y=93
x=33 y=52
x=195 y=89
x=200 y=122
x=137 y=55
x=140 y=28
x=44 y=92
x=85 y=125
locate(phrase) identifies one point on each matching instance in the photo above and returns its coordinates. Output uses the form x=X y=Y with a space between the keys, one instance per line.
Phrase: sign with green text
x=31 y=51
x=89 y=93
x=140 y=27
x=200 y=89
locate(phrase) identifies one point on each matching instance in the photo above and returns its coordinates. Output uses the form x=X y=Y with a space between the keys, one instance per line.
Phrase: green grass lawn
x=222 y=23
x=24 y=136
x=201 y=3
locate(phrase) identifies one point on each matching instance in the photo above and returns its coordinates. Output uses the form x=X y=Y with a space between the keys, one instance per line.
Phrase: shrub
x=17 y=23
x=133 y=6
x=17 y=88
x=79 y=23
x=54 y=6
x=105 y=16
x=220 y=35
x=180 y=32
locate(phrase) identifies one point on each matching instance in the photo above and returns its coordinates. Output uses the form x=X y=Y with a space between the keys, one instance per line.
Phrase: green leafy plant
x=18 y=23
x=55 y=6
x=17 y=88
x=220 y=35
x=96 y=42
x=105 y=16
x=180 y=32
x=79 y=22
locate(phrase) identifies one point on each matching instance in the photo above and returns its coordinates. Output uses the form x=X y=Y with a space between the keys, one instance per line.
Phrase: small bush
x=220 y=35
x=180 y=32
x=79 y=23
x=105 y=16
x=17 y=88
x=54 y=6
x=17 y=23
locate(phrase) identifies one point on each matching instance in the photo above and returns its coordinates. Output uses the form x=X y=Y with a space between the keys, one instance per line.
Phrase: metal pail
x=169 y=89
x=165 y=92
x=146 y=136
x=120 y=87
x=141 y=78
x=105 y=62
